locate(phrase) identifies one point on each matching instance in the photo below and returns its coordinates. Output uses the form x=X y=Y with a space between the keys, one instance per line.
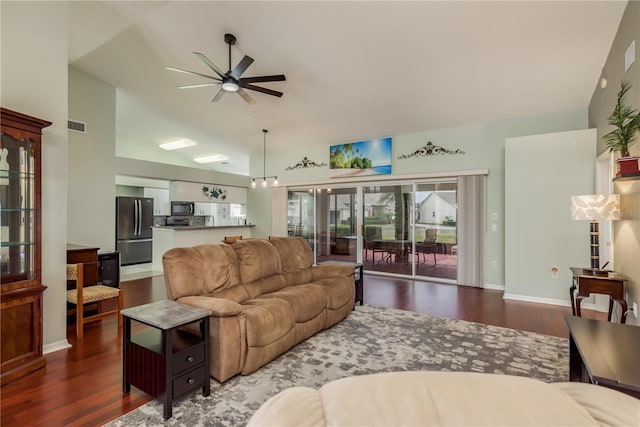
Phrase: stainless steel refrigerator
x=134 y=218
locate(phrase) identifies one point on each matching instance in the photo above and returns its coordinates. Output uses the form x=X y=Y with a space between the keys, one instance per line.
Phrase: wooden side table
x=604 y=353
x=612 y=284
x=358 y=277
x=165 y=361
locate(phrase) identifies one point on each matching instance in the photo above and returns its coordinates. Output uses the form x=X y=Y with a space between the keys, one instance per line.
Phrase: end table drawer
x=189 y=358
x=189 y=381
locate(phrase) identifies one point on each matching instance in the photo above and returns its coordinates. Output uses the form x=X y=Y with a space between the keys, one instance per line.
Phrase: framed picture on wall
x=362 y=158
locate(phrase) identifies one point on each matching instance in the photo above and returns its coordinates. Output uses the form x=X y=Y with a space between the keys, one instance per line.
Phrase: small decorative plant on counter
x=626 y=120
x=214 y=193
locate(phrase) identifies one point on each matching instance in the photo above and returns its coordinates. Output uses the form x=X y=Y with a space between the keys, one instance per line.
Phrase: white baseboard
x=494 y=287
x=527 y=298
x=56 y=346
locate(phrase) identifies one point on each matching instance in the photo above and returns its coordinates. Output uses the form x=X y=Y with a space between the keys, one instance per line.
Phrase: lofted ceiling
x=355 y=70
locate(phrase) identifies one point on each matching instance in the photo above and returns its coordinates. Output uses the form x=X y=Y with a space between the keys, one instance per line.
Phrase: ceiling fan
x=232 y=81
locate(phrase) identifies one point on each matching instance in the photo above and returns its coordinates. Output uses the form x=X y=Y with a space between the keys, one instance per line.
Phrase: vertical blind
x=471 y=206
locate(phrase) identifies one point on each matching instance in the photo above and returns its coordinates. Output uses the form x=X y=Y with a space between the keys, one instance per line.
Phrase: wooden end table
x=612 y=284
x=604 y=353
x=165 y=361
x=358 y=277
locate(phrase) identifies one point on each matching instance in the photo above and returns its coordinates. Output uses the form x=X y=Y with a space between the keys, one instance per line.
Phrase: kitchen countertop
x=200 y=227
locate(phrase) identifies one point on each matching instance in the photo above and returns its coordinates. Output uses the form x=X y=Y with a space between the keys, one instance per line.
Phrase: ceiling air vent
x=77 y=126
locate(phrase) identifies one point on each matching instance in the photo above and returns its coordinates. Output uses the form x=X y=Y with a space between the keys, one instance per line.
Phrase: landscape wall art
x=362 y=158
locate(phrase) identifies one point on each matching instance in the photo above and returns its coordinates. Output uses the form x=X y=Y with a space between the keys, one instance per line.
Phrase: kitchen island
x=165 y=237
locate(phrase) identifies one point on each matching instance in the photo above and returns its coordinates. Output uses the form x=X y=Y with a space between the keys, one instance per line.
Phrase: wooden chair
x=231 y=239
x=86 y=298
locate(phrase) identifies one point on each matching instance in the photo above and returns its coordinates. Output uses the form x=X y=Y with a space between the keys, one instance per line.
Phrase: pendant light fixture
x=264 y=161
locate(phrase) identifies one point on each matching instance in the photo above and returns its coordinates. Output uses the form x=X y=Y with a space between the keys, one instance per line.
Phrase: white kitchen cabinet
x=192 y=191
x=160 y=196
x=205 y=209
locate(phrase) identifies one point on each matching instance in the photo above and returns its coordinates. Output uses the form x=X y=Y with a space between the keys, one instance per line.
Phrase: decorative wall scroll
x=430 y=150
x=306 y=163
x=214 y=193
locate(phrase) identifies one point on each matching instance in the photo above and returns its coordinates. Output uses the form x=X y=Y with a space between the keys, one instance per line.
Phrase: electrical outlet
x=634 y=307
x=494 y=264
x=554 y=273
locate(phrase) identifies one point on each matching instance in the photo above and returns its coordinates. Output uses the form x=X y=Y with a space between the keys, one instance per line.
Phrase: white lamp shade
x=595 y=207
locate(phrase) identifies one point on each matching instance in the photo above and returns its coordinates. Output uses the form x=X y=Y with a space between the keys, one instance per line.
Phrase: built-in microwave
x=182 y=208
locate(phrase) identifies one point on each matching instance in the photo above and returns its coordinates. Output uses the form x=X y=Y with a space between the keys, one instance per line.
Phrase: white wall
x=626 y=236
x=542 y=172
x=91 y=184
x=484 y=149
x=33 y=38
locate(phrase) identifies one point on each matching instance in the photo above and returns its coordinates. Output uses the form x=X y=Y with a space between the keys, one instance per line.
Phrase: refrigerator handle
x=139 y=217
x=136 y=215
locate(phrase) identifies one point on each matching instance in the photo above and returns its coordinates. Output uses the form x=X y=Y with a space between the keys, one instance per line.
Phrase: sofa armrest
x=328 y=271
x=219 y=307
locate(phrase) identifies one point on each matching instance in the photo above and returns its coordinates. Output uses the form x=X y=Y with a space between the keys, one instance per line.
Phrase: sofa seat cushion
x=306 y=301
x=268 y=320
x=297 y=277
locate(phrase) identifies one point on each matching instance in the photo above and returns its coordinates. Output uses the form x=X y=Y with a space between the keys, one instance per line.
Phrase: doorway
x=401 y=229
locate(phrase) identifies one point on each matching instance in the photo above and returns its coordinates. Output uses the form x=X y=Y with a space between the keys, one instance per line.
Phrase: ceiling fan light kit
x=232 y=80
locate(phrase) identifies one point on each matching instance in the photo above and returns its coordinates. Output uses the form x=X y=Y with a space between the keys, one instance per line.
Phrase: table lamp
x=594 y=208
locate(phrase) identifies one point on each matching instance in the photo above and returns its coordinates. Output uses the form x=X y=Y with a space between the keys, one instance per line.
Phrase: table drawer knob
x=190 y=381
x=189 y=358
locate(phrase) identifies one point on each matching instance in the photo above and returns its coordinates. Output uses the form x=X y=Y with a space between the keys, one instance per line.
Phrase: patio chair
x=428 y=246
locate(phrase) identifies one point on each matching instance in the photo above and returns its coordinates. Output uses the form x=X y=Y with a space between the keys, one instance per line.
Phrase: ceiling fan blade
x=241 y=67
x=219 y=95
x=262 y=79
x=210 y=64
x=243 y=93
x=191 y=72
x=263 y=90
x=198 y=85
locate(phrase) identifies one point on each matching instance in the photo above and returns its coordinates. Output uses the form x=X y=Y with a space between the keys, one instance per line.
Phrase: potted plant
x=626 y=120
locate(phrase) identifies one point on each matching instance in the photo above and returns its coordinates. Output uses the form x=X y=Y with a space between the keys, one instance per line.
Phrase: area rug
x=371 y=339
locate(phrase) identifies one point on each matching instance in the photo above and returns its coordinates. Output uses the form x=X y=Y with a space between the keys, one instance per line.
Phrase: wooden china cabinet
x=20 y=249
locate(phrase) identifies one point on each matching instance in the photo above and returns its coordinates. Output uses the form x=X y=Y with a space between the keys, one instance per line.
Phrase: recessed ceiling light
x=211 y=158
x=174 y=145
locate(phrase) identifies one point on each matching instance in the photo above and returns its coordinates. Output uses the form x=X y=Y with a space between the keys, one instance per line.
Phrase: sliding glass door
x=337 y=224
x=388 y=235
x=406 y=229
x=436 y=216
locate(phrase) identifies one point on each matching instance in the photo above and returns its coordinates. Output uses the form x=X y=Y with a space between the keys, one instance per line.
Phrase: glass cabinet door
x=17 y=210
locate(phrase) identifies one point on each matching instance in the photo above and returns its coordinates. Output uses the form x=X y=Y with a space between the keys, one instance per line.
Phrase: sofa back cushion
x=200 y=270
x=257 y=259
x=296 y=257
x=295 y=253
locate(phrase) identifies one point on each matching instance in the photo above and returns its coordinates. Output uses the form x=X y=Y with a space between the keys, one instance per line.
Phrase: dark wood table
x=165 y=361
x=87 y=255
x=604 y=353
x=612 y=284
x=399 y=248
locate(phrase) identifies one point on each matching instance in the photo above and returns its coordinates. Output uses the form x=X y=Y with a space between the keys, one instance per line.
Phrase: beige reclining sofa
x=265 y=297
x=447 y=399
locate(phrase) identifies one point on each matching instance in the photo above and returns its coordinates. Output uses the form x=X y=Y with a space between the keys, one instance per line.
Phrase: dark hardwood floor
x=82 y=385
